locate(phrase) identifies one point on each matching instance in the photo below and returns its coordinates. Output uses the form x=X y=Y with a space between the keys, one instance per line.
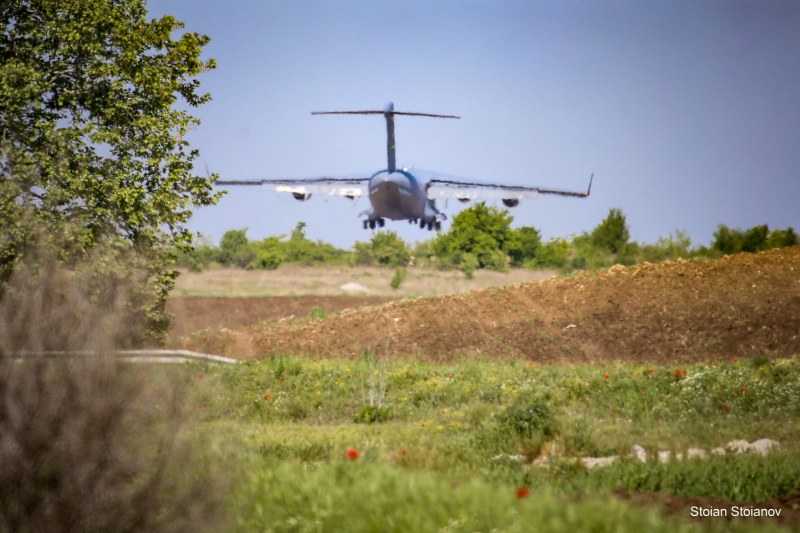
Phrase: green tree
x=479 y=230
x=92 y=137
x=780 y=238
x=235 y=249
x=523 y=245
x=727 y=240
x=755 y=239
x=612 y=233
x=269 y=254
x=302 y=250
x=385 y=248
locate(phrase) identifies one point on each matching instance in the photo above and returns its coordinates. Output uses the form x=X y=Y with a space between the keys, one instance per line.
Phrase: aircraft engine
x=303 y=196
x=511 y=202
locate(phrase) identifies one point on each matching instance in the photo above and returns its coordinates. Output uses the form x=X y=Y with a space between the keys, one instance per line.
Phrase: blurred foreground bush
x=89 y=443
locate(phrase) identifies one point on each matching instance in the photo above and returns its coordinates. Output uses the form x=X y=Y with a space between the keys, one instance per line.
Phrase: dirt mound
x=746 y=304
x=196 y=313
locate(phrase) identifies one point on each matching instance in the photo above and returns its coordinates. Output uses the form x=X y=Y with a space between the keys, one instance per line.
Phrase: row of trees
x=482 y=237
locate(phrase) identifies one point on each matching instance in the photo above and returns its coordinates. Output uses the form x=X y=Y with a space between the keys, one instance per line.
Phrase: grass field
x=291 y=280
x=365 y=445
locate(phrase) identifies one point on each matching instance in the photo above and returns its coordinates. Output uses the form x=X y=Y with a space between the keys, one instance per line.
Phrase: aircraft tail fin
x=389 y=113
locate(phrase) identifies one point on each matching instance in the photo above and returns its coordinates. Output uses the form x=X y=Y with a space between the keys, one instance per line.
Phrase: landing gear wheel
x=371 y=224
x=381 y=222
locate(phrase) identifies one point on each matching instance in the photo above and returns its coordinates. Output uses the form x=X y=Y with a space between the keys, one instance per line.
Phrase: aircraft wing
x=303 y=188
x=465 y=189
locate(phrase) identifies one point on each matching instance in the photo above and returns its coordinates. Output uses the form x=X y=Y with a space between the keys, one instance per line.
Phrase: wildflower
x=266 y=396
x=733 y=360
x=352 y=454
x=725 y=406
x=403 y=453
x=605 y=375
x=744 y=390
x=522 y=492
x=677 y=373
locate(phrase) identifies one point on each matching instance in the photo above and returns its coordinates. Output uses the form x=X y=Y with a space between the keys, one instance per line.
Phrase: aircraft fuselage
x=399 y=195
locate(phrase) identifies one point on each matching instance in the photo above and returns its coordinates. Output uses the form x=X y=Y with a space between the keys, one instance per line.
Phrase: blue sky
x=687 y=112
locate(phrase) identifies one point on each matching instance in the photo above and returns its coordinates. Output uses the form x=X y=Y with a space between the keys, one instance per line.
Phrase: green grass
x=455 y=442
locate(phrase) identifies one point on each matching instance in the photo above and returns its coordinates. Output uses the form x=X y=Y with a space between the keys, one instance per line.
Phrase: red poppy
x=352 y=454
x=605 y=375
x=266 y=396
x=403 y=452
x=522 y=492
x=725 y=406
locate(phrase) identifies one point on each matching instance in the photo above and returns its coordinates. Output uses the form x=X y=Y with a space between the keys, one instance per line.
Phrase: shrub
x=386 y=248
x=88 y=443
x=529 y=417
x=479 y=230
x=398 y=278
x=612 y=233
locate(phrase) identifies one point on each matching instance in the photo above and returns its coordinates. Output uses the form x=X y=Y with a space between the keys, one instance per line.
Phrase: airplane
x=403 y=193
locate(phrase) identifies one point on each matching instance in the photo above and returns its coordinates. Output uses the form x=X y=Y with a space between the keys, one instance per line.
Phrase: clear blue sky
x=687 y=112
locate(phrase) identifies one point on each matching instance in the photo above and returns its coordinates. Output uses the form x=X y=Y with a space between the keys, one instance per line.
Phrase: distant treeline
x=482 y=237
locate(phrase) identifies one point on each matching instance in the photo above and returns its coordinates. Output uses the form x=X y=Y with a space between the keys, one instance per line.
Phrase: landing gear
x=372 y=223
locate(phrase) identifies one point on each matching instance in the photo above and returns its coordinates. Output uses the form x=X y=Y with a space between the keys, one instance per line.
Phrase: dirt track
x=747 y=304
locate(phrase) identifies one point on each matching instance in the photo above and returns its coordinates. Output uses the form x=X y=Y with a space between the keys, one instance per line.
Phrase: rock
x=639 y=453
x=763 y=446
x=738 y=446
x=595 y=462
x=696 y=453
x=353 y=288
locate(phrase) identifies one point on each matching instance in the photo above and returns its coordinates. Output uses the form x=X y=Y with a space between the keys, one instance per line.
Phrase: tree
x=780 y=238
x=386 y=248
x=92 y=140
x=727 y=240
x=524 y=245
x=234 y=248
x=612 y=233
x=479 y=230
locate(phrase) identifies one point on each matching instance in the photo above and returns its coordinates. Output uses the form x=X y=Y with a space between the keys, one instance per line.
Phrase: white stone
x=738 y=446
x=595 y=462
x=352 y=288
x=639 y=453
x=763 y=446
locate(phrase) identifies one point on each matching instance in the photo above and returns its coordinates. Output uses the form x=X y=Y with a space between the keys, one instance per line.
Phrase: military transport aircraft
x=403 y=193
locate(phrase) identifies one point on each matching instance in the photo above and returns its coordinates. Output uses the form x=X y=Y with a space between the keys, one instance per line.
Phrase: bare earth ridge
x=682 y=311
